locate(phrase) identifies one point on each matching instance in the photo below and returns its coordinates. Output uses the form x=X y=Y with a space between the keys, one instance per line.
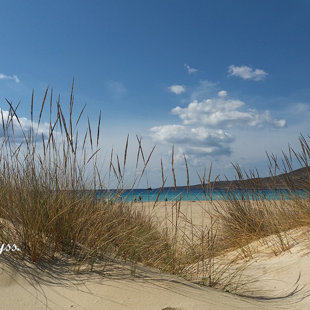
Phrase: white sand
x=117 y=291
x=269 y=279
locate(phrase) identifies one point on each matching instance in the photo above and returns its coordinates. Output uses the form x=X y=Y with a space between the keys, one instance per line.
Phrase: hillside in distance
x=296 y=179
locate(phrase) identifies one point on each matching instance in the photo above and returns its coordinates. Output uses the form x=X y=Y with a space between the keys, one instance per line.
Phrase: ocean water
x=195 y=195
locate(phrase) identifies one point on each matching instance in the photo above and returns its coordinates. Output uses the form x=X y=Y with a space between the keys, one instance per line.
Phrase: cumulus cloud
x=247 y=73
x=193 y=140
x=9 y=77
x=207 y=125
x=222 y=93
x=182 y=134
x=189 y=69
x=24 y=125
x=223 y=113
x=177 y=89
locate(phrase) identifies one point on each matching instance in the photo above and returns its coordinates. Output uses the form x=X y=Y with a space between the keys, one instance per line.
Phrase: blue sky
x=223 y=81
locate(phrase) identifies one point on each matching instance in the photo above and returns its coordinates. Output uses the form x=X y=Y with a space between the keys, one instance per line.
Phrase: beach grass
x=49 y=207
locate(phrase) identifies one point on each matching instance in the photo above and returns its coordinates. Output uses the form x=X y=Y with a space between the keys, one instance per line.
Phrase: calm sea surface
x=195 y=195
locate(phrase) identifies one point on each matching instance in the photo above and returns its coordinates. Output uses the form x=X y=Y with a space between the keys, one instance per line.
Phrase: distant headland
x=299 y=178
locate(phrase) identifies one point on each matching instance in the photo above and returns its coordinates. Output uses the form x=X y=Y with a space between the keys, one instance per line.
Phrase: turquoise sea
x=147 y=195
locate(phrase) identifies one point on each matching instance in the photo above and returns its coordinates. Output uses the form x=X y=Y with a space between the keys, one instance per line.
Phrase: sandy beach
x=117 y=289
x=269 y=281
x=155 y=155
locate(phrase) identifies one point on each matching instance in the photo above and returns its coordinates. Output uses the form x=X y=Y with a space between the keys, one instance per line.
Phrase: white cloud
x=24 y=125
x=223 y=113
x=189 y=69
x=193 y=141
x=9 y=77
x=177 y=89
x=222 y=93
x=247 y=73
x=208 y=126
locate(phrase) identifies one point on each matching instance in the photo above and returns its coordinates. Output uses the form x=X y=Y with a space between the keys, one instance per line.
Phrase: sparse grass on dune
x=49 y=207
x=251 y=216
x=43 y=195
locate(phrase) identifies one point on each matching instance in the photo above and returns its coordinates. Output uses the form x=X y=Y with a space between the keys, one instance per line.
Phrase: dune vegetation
x=49 y=207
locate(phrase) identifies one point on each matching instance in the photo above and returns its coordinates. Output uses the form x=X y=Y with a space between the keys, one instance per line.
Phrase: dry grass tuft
x=49 y=206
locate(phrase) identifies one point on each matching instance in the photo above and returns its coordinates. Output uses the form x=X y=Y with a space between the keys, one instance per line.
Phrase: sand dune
x=269 y=282
x=26 y=287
